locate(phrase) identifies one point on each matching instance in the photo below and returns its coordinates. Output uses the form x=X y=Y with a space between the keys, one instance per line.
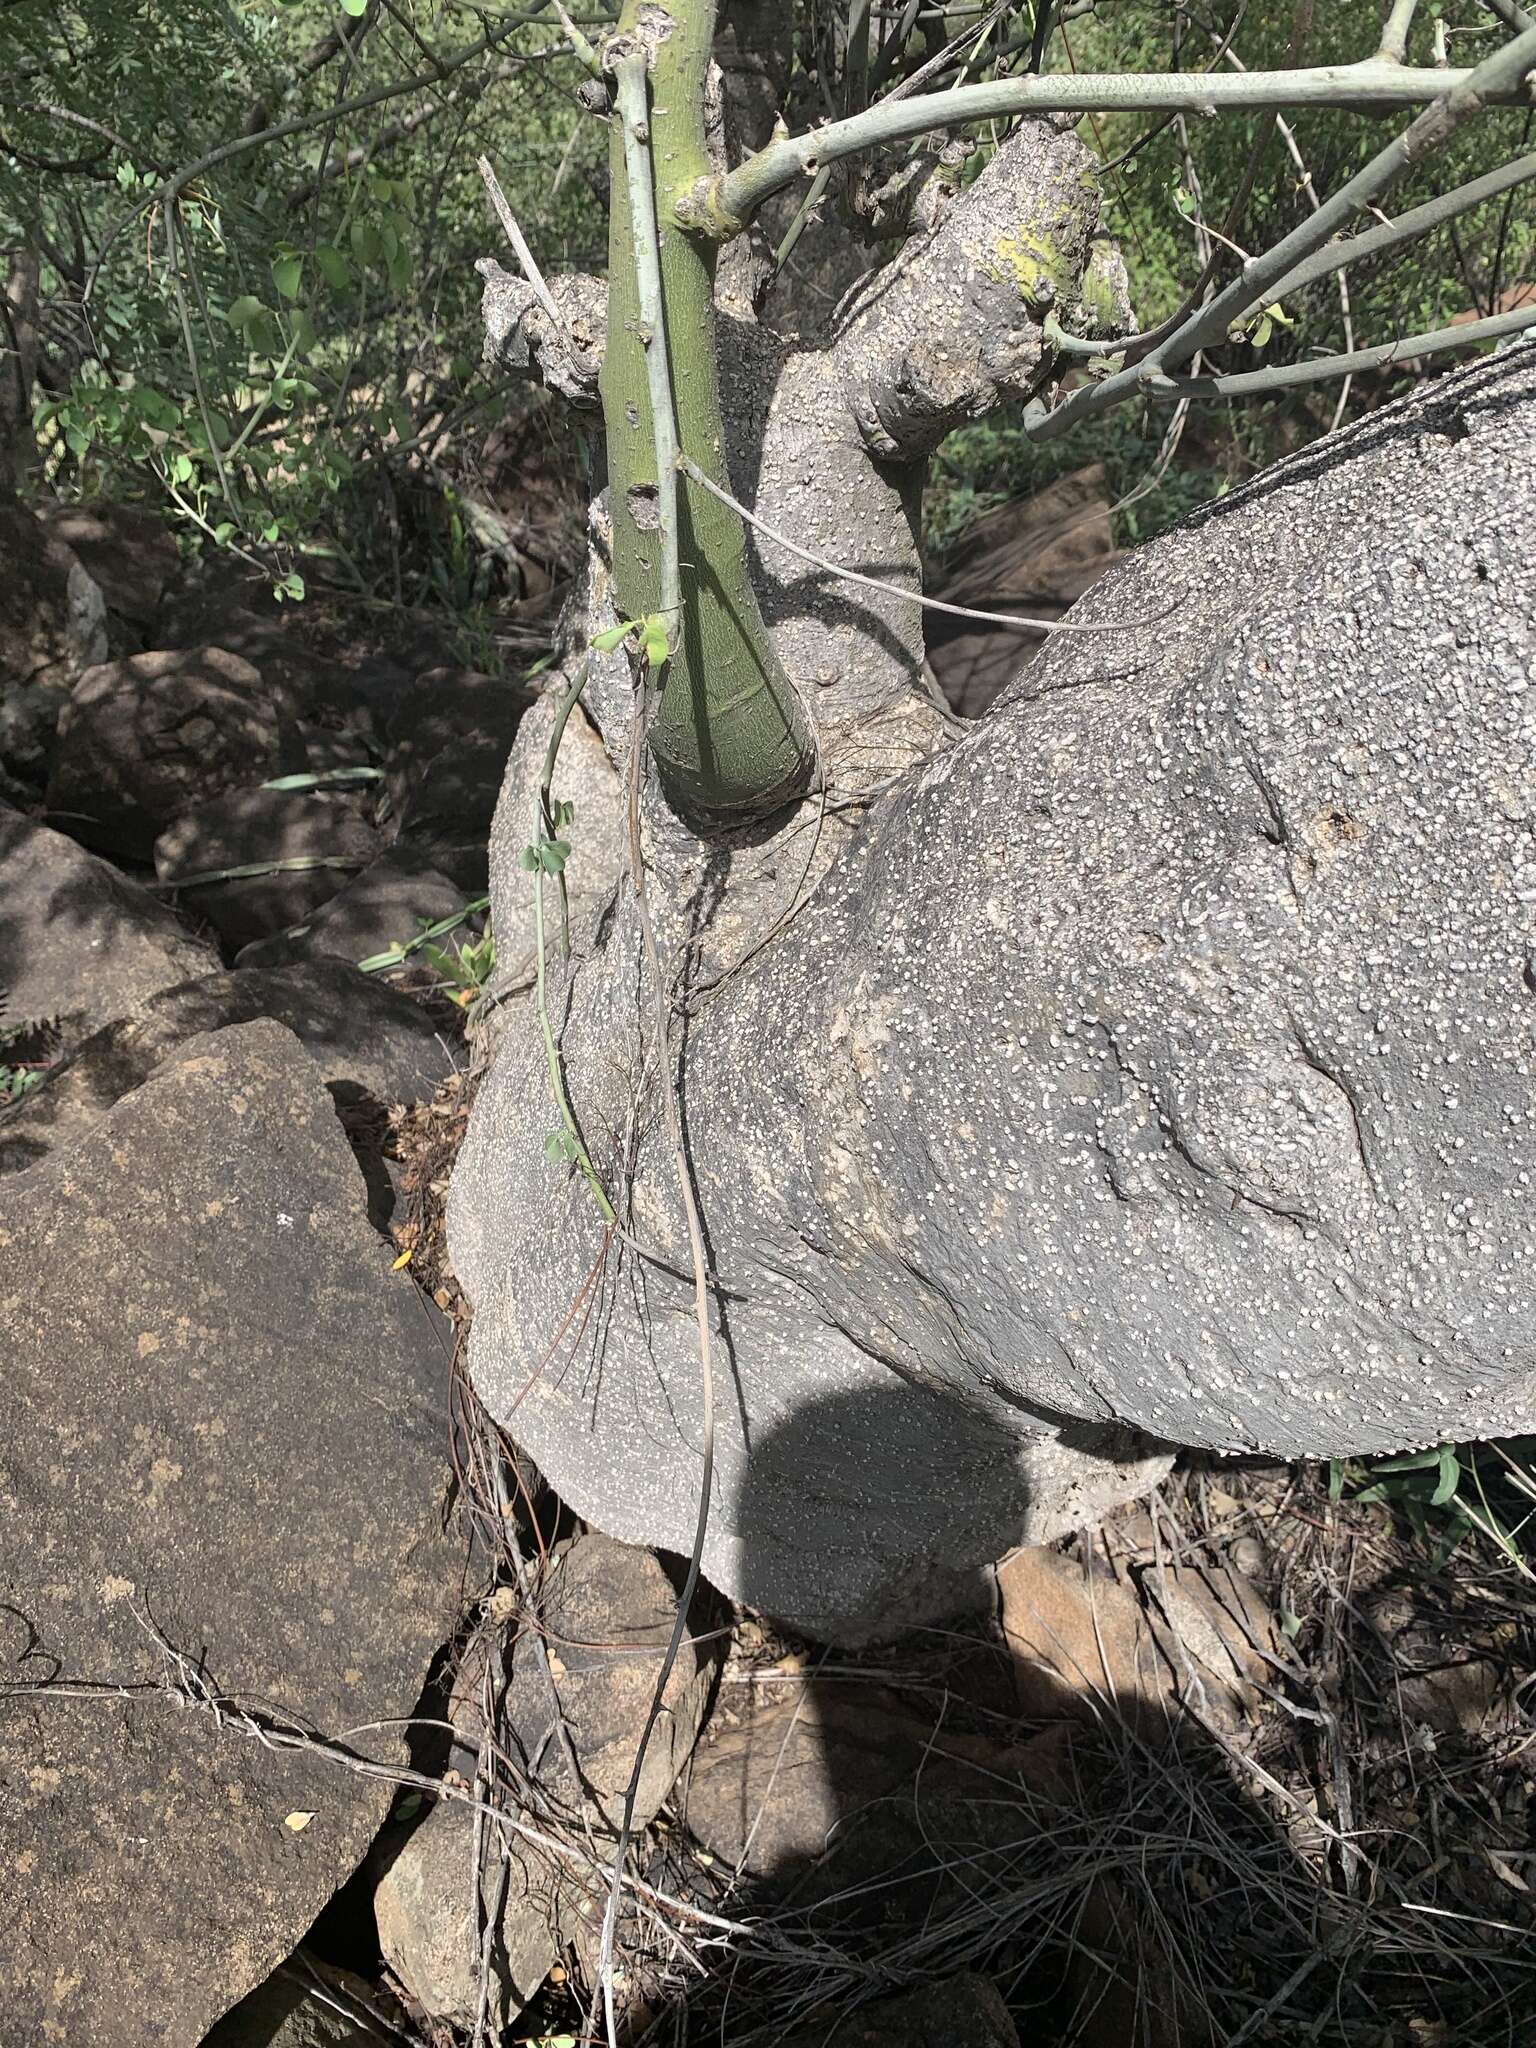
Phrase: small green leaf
x=1449 y=1479
x=612 y=636
x=355 y=8
x=366 y=246
x=528 y=860
x=653 y=641
x=181 y=469
x=334 y=267
x=244 y=312
x=286 y=272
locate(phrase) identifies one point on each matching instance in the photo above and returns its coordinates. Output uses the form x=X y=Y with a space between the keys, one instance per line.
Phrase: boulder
x=447 y=814
x=429 y=1924
x=386 y=905
x=606 y=1614
x=79 y=943
x=1092 y=1637
x=782 y=1769
x=225 y=1480
x=605 y=1617
x=244 y=619
x=129 y=553
x=256 y=828
x=1156 y=1058
x=453 y=708
x=306 y=2003
x=427 y=1919
x=52 y=615
x=29 y=724
x=447 y=752
x=370 y=1043
x=144 y=739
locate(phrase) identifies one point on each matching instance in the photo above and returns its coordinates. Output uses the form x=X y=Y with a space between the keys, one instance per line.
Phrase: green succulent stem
x=727 y=733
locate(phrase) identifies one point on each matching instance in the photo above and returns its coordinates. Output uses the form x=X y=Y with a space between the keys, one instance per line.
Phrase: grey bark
x=1155 y=1063
x=1161 y=1055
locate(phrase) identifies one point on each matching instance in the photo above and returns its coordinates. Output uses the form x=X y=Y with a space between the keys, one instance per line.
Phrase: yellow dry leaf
x=403 y=1260
x=298 y=1822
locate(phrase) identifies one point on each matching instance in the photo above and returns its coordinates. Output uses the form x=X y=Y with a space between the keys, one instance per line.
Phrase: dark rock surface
x=250 y=827
x=449 y=707
x=383 y=906
x=367 y=1041
x=306 y=2003
x=29 y=723
x=1033 y=558
x=448 y=811
x=79 y=943
x=144 y=739
x=52 y=615
x=224 y=1413
x=128 y=553
x=1160 y=1055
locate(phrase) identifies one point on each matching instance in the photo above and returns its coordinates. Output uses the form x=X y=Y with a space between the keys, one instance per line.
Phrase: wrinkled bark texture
x=1161 y=1055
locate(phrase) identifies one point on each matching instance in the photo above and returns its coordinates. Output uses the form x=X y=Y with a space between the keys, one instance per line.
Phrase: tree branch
x=631 y=96
x=1287 y=376
x=728 y=203
x=1494 y=79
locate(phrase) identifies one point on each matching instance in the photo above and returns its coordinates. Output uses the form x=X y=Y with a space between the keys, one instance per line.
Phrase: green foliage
x=18 y=1077
x=465 y=972
x=273 y=348
x=469 y=966
x=1449 y=1493
x=1165 y=178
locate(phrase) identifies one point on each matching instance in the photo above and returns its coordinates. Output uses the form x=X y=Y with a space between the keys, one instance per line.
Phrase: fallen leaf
x=298 y=1822
x=403 y=1260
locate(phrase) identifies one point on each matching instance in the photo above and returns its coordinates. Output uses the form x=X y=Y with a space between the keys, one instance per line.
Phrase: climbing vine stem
x=547 y=857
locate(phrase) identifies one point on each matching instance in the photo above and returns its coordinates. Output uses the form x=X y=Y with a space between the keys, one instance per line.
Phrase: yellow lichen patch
x=1036 y=265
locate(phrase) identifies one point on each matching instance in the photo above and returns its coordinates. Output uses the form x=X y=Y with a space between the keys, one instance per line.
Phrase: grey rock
x=426 y=1915
x=370 y=1043
x=29 y=723
x=384 y=906
x=244 y=619
x=79 y=943
x=128 y=553
x=781 y=1769
x=52 y=615
x=144 y=739
x=226 y=1422
x=306 y=2003
x=1157 y=1059
x=447 y=814
x=449 y=708
x=607 y=1614
x=250 y=827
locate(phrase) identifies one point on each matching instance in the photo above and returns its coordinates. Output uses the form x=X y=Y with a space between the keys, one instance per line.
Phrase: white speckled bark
x=1159 y=1058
